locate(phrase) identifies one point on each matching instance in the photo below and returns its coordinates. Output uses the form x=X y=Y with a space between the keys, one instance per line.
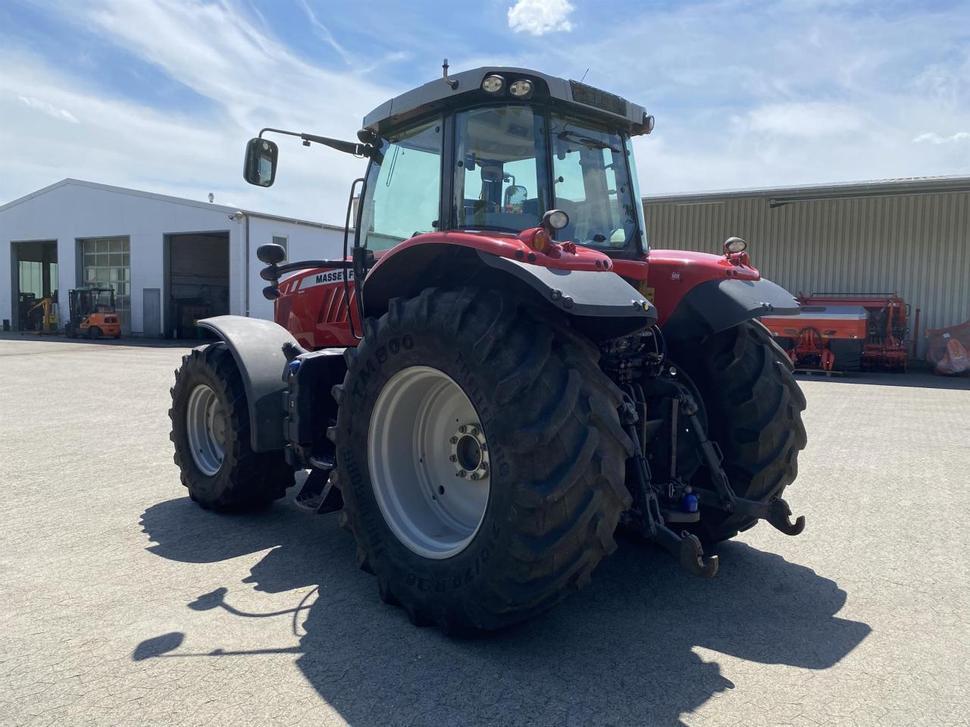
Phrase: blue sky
x=162 y=94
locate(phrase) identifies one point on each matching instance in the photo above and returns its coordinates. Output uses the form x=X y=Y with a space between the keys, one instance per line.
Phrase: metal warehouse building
x=169 y=260
x=909 y=236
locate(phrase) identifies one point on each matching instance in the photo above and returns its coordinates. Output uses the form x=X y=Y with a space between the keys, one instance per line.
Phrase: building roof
x=163 y=198
x=782 y=195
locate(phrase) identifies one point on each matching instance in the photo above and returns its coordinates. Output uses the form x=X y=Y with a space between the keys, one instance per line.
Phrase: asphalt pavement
x=123 y=603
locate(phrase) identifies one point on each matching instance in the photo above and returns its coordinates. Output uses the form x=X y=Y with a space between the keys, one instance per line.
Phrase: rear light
x=493 y=83
x=521 y=88
x=540 y=241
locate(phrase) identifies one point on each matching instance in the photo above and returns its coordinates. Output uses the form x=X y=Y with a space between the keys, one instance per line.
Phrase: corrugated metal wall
x=917 y=245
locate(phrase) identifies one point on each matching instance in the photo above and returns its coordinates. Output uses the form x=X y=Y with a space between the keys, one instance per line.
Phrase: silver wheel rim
x=429 y=462
x=205 y=423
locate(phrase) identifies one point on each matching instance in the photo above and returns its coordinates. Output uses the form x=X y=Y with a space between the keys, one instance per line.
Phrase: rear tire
x=211 y=434
x=754 y=412
x=556 y=458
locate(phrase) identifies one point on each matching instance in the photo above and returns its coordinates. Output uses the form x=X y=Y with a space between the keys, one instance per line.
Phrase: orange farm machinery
x=845 y=332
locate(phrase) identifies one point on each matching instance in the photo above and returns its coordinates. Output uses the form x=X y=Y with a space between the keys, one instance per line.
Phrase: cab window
x=497 y=168
x=404 y=190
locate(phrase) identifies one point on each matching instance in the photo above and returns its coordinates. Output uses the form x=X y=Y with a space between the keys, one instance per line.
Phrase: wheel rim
x=429 y=462
x=205 y=423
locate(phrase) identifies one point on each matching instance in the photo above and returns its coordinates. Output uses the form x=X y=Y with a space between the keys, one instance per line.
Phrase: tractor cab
x=491 y=151
x=502 y=147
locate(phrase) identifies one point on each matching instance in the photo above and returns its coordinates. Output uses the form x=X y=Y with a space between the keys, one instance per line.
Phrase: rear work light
x=493 y=83
x=521 y=88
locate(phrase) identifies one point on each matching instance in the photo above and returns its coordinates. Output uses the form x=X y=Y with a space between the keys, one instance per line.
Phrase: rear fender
x=600 y=303
x=716 y=305
x=257 y=347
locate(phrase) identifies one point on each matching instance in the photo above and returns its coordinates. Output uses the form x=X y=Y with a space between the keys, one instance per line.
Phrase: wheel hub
x=469 y=452
x=205 y=425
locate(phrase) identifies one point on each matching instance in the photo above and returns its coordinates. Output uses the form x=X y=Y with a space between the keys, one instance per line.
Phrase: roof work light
x=493 y=83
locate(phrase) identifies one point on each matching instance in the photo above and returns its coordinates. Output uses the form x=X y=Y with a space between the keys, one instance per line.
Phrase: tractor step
x=319 y=494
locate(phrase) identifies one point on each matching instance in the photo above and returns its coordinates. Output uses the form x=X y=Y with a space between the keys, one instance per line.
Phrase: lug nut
x=474 y=476
x=461 y=473
x=453 y=458
x=453 y=440
x=463 y=429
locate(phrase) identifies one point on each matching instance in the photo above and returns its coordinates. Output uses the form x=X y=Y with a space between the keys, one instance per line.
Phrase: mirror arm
x=348 y=147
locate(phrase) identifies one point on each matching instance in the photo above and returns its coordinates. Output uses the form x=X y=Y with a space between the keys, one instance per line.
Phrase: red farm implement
x=845 y=332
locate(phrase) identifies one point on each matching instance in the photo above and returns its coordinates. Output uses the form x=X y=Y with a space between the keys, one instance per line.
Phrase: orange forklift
x=93 y=313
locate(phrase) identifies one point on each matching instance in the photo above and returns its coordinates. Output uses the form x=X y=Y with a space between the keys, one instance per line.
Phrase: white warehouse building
x=169 y=260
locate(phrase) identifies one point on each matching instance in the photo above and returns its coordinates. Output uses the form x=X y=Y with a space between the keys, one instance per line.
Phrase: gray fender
x=717 y=305
x=590 y=293
x=257 y=347
x=600 y=303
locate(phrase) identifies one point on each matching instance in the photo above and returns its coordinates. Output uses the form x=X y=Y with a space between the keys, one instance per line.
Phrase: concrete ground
x=122 y=603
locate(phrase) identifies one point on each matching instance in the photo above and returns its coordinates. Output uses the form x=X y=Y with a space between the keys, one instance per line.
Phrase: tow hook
x=776 y=511
x=687 y=548
x=779 y=516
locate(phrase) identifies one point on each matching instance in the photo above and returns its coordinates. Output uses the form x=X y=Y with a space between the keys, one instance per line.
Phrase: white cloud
x=735 y=86
x=804 y=120
x=538 y=17
x=249 y=80
x=933 y=138
x=737 y=90
x=48 y=108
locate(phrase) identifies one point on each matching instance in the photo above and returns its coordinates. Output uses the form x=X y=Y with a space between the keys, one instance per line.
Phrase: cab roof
x=465 y=90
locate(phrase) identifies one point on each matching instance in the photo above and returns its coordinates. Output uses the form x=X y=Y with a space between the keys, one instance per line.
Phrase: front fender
x=717 y=305
x=257 y=347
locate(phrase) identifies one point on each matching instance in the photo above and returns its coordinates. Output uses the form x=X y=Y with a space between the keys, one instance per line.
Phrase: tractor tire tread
x=253 y=479
x=561 y=520
x=754 y=407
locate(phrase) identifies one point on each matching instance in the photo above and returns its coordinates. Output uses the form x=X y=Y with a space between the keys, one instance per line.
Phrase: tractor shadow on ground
x=621 y=651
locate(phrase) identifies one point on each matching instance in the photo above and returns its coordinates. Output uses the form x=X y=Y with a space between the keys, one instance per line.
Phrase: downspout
x=247 y=266
x=239 y=214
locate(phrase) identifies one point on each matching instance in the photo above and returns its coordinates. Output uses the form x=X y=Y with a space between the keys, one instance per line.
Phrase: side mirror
x=515 y=197
x=270 y=253
x=260 y=165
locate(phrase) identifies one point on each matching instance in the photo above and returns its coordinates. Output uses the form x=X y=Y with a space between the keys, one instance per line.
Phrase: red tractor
x=498 y=372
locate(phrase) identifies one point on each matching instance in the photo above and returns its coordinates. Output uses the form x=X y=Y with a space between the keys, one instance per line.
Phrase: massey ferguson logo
x=331 y=276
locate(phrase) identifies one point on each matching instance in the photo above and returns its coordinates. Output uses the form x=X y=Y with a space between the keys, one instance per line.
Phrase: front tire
x=754 y=412
x=211 y=434
x=543 y=414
